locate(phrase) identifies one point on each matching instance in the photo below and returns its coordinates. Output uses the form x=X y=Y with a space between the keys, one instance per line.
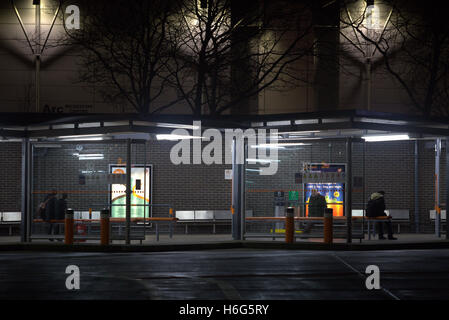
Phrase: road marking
x=386 y=291
x=228 y=289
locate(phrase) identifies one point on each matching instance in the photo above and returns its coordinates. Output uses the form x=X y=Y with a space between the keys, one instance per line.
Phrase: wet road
x=227 y=274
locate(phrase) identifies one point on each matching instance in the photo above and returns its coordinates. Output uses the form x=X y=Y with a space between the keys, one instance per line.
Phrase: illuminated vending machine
x=329 y=180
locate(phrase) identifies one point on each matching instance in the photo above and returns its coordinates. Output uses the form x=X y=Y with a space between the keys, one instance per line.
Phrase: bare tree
x=225 y=52
x=412 y=39
x=124 y=47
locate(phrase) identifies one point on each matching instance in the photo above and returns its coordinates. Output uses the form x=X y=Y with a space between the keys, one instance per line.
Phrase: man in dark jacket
x=376 y=208
x=50 y=211
x=61 y=206
x=317 y=204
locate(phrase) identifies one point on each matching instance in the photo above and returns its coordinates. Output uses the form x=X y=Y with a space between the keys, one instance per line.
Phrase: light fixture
x=280 y=145
x=371 y=15
x=262 y=160
x=89 y=156
x=174 y=137
x=89 y=137
x=391 y=137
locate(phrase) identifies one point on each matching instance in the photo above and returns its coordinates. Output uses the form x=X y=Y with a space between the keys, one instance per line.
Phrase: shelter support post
x=238 y=188
x=128 y=193
x=348 y=204
x=437 y=188
x=447 y=187
x=26 y=218
x=416 y=186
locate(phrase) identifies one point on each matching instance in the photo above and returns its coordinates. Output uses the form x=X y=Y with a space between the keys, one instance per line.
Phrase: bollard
x=328 y=225
x=290 y=225
x=104 y=227
x=68 y=227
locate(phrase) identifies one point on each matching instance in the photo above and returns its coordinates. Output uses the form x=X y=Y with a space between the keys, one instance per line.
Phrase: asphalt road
x=227 y=274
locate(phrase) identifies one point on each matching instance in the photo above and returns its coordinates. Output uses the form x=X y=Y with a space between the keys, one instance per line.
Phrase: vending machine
x=329 y=180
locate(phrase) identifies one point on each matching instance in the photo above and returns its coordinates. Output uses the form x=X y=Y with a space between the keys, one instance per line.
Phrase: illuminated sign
x=140 y=196
x=333 y=192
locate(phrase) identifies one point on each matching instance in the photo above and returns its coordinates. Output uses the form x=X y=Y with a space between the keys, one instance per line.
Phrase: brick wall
x=185 y=187
x=10 y=176
x=388 y=166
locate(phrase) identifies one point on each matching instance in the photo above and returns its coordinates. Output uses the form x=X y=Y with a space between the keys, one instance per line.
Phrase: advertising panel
x=140 y=196
x=333 y=192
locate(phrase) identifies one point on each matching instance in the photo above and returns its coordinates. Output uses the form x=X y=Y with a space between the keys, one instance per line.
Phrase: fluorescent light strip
x=88 y=137
x=280 y=145
x=392 y=137
x=174 y=137
x=262 y=160
x=90 y=158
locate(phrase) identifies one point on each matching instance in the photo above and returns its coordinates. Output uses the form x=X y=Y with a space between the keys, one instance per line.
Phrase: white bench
x=432 y=215
x=85 y=215
x=206 y=217
x=10 y=219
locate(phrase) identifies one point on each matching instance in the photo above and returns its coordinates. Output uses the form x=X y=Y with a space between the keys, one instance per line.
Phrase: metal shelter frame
x=337 y=125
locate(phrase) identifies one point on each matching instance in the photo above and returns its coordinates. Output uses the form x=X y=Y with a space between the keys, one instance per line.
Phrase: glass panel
x=270 y=195
x=85 y=177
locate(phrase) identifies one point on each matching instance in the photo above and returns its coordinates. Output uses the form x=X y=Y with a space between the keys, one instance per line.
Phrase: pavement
x=224 y=241
x=230 y=274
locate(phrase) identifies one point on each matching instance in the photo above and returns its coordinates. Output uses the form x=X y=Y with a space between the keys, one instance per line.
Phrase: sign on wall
x=141 y=192
x=333 y=193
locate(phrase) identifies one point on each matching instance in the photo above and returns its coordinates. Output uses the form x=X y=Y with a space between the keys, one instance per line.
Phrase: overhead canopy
x=334 y=124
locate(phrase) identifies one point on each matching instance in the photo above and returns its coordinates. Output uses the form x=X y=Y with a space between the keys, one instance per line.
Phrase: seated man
x=376 y=208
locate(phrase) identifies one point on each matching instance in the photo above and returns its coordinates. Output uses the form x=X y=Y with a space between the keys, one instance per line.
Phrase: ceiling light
x=173 y=137
x=392 y=137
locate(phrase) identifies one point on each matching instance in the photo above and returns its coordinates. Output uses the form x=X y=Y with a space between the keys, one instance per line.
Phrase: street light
x=371 y=19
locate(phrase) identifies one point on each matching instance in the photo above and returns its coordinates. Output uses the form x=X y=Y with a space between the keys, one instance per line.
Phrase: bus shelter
x=347 y=154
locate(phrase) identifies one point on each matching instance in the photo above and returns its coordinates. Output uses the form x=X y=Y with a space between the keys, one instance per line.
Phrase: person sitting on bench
x=376 y=208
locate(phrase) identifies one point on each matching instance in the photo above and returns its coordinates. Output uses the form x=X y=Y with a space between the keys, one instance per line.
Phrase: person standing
x=376 y=208
x=317 y=204
x=61 y=207
x=50 y=212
